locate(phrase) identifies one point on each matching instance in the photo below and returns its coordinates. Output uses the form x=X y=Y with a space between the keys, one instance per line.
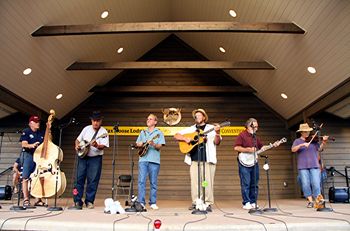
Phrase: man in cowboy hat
x=89 y=168
x=207 y=154
x=308 y=165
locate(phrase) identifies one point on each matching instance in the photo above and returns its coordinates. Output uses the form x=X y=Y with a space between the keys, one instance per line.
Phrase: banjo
x=84 y=146
x=247 y=159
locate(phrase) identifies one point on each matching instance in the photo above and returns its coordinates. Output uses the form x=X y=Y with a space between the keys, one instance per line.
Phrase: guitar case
x=340 y=194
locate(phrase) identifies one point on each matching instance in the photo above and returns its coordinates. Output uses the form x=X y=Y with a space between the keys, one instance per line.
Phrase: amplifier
x=339 y=194
x=5 y=192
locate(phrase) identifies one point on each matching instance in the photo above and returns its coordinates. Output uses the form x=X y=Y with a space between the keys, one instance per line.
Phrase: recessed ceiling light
x=312 y=70
x=284 y=96
x=104 y=14
x=27 y=71
x=59 y=96
x=120 y=50
x=233 y=13
x=222 y=49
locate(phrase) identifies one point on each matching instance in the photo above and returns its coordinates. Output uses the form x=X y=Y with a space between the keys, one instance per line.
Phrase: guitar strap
x=94 y=136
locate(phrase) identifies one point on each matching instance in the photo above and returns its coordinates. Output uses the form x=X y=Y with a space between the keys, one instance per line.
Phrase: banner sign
x=168 y=131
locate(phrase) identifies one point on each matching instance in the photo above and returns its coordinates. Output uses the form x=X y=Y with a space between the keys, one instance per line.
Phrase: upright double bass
x=47 y=157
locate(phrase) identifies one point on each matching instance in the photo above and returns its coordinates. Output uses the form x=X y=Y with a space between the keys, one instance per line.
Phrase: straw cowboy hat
x=304 y=128
x=201 y=111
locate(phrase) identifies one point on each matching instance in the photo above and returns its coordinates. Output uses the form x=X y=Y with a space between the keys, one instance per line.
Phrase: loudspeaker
x=5 y=192
x=338 y=194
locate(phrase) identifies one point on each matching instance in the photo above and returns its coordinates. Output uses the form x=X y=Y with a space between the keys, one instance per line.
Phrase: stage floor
x=174 y=215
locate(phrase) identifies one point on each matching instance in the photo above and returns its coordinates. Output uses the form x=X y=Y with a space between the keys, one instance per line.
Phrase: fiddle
x=317 y=139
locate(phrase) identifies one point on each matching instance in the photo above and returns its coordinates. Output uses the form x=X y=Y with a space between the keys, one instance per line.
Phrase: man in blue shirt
x=149 y=163
x=30 y=139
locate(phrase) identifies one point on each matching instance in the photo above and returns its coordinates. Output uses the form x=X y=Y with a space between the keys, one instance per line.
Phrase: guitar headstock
x=225 y=124
x=281 y=141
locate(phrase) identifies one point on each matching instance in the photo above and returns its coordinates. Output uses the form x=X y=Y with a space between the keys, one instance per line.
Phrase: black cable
x=43 y=216
x=13 y=218
x=195 y=221
x=230 y=215
x=245 y=219
x=115 y=221
x=150 y=220
x=275 y=219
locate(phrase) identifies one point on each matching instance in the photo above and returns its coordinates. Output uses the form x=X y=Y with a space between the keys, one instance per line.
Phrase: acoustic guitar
x=84 y=146
x=144 y=148
x=247 y=159
x=195 y=139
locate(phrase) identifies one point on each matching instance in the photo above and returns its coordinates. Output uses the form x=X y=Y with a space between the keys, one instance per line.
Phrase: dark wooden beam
x=171 y=27
x=334 y=96
x=174 y=89
x=14 y=101
x=263 y=65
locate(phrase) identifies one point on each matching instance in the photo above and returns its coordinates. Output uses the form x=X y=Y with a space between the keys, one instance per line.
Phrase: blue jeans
x=152 y=169
x=89 y=169
x=248 y=186
x=310 y=181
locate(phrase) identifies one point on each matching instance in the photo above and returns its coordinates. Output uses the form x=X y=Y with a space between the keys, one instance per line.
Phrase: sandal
x=40 y=203
x=26 y=203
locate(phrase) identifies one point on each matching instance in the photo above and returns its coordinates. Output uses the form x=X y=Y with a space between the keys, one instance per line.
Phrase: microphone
x=133 y=146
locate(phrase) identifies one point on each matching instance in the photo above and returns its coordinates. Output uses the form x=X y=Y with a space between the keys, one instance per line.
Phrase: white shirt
x=87 y=133
x=210 y=146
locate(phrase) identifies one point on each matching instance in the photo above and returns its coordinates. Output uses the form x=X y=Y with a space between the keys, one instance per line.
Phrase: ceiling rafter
x=259 y=65
x=155 y=27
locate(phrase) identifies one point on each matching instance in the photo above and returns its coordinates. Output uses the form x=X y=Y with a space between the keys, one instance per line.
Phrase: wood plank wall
x=174 y=182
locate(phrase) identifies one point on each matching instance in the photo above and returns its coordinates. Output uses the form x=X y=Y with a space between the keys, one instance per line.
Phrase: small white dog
x=113 y=207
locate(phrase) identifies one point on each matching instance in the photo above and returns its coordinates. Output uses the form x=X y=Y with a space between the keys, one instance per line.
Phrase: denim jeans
x=248 y=186
x=26 y=160
x=152 y=169
x=310 y=181
x=89 y=169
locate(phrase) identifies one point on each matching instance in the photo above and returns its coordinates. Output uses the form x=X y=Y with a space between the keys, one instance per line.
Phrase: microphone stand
x=115 y=130
x=131 y=193
x=200 y=156
x=267 y=168
x=61 y=127
x=2 y=137
x=255 y=210
x=19 y=188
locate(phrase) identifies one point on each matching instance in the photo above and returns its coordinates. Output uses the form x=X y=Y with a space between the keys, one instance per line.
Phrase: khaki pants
x=209 y=177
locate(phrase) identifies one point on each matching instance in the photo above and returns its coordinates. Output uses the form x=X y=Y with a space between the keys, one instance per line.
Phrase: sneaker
x=247 y=206
x=310 y=204
x=90 y=205
x=154 y=207
x=253 y=205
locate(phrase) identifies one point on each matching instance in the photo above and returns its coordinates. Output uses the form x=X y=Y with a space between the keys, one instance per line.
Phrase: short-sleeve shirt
x=87 y=133
x=31 y=137
x=307 y=157
x=152 y=155
x=246 y=140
